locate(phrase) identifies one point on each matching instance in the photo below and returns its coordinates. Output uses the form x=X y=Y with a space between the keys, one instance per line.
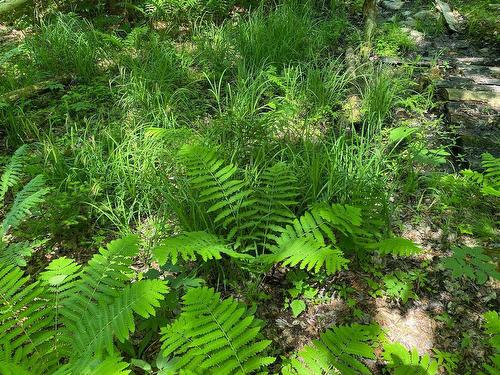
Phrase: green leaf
x=297 y=306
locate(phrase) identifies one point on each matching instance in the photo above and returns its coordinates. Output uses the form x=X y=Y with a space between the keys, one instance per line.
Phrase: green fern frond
x=491 y=326
x=311 y=240
x=110 y=366
x=216 y=186
x=396 y=246
x=26 y=325
x=338 y=350
x=16 y=253
x=214 y=337
x=12 y=172
x=491 y=182
x=9 y=368
x=276 y=195
x=311 y=254
x=29 y=197
x=404 y=362
x=103 y=322
x=105 y=275
x=192 y=244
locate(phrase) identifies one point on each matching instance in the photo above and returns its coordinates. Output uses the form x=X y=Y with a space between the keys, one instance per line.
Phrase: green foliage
x=391 y=40
x=491 y=326
x=72 y=315
x=399 y=286
x=338 y=350
x=403 y=362
x=286 y=35
x=26 y=200
x=12 y=173
x=215 y=184
x=490 y=178
x=214 y=337
x=190 y=245
x=396 y=246
x=470 y=263
x=66 y=45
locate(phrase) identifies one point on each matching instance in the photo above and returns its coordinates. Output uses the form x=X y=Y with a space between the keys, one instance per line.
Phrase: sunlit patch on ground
x=413 y=329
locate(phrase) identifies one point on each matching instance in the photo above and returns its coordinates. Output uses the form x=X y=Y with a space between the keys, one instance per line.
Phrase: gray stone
x=426 y=15
x=392 y=4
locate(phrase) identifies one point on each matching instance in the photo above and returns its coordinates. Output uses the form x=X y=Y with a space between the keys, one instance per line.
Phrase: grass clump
x=66 y=45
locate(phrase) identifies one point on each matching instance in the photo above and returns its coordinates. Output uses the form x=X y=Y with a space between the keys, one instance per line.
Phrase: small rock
x=392 y=4
x=425 y=15
x=416 y=36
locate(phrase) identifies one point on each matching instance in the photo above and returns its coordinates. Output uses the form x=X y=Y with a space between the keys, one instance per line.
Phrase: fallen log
x=34 y=89
x=10 y=5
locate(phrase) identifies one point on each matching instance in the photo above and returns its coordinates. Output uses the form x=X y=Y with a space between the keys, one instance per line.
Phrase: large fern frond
x=311 y=240
x=26 y=324
x=192 y=244
x=491 y=182
x=214 y=337
x=404 y=362
x=102 y=322
x=275 y=196
x=338 y=350
x=396 y=246
x=101 y=280
x=13 y=171
x=29 y=197
x=311 y=254
x=216 y=185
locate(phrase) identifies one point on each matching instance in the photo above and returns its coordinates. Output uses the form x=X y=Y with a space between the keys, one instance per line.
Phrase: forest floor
x=103 y=163
x=445 y=316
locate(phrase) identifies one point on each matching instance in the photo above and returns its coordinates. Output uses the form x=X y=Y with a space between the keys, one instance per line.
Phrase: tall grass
x=66 y=45
x=286 y=35
x=156 y=83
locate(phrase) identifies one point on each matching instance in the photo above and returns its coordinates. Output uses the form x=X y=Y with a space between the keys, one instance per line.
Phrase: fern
x=396 y=246
x=217 y=186
x=26 y=328
x=492 y=328
x=339 y=350
x=72 y=315
x=275 y=196
x=403 y=362
x=17 y=253
x=102 y=322
x=491 y=183
x=470 y=263
x=311 y=240
x=26 y=200
x=29 y=197
x=214 y=337
x=490 y=178
x=311 y=254
x=13 y=171
x=189 y=245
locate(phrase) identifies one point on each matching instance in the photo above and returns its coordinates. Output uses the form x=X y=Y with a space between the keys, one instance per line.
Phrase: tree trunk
x=370 y=17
